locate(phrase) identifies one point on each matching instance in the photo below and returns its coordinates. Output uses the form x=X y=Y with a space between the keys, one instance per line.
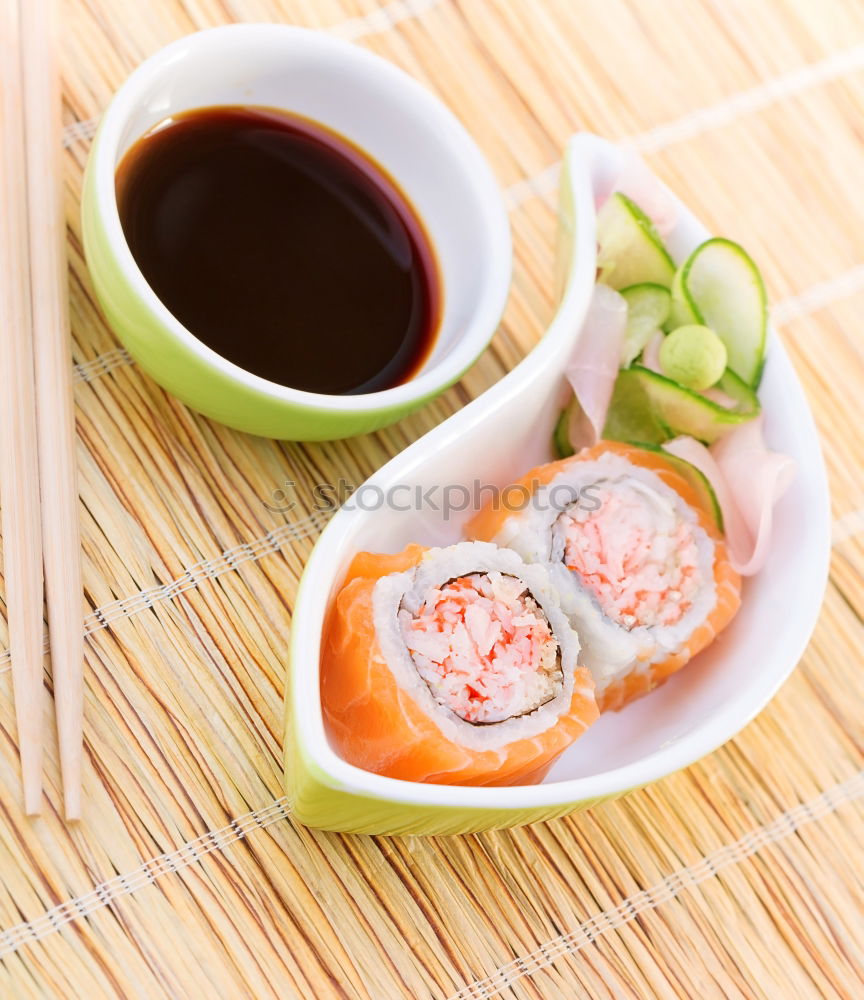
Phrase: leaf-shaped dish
x=493 y=440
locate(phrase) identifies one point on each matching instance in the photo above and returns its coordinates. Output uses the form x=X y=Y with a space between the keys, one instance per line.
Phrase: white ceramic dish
x=380 y=109
x=494 y=439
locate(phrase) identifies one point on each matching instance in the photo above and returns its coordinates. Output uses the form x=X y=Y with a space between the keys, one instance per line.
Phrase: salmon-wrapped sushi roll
x=453 y=665
x=641 y=568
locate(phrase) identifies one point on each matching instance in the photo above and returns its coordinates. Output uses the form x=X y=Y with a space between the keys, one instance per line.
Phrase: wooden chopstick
x=19 y=469
x=54 y=403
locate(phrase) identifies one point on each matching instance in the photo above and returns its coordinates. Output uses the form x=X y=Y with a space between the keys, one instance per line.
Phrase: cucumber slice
x=722 y=287
x=630 y=252
x=647 y=309
x=706 y=497
x=747 y=402
x=681 y=312
x=561 y=446
x=631 y=417
x=651 y=408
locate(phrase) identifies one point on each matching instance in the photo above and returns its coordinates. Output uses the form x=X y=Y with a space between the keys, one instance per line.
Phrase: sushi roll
x=640 y=566
x=452 y=665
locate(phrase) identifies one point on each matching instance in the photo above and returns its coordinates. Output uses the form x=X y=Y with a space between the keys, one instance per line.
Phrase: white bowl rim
x=724 y=724
x=497 y=257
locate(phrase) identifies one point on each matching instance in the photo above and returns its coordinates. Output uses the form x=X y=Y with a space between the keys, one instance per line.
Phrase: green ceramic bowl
x=378 y=108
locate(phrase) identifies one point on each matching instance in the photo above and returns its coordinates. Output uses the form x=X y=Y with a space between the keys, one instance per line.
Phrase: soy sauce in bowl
x=282 y=247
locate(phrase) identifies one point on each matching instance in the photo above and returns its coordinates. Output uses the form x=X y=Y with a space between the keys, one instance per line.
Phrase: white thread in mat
x=147 y=873
x=724 y=112
x=817 y=296
x=386 y=17
x=353 y=29
x=847 y=526
x=89 y=371
x=685 y=878
x=79 y=131
x=215 y=840
x=208 y=569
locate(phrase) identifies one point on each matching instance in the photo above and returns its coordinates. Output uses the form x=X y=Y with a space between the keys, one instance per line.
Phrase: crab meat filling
x=635 y=553
x=483 y=646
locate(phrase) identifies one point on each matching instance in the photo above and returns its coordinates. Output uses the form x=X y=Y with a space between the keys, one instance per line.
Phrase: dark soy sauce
x=282 y=247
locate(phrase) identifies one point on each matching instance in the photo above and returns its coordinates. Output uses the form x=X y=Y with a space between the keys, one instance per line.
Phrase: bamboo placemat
x=741 y=876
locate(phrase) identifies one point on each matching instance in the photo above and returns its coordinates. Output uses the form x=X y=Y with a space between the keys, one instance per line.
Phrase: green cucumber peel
x=649 y=407
x=630 y=250
x=561 y=446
